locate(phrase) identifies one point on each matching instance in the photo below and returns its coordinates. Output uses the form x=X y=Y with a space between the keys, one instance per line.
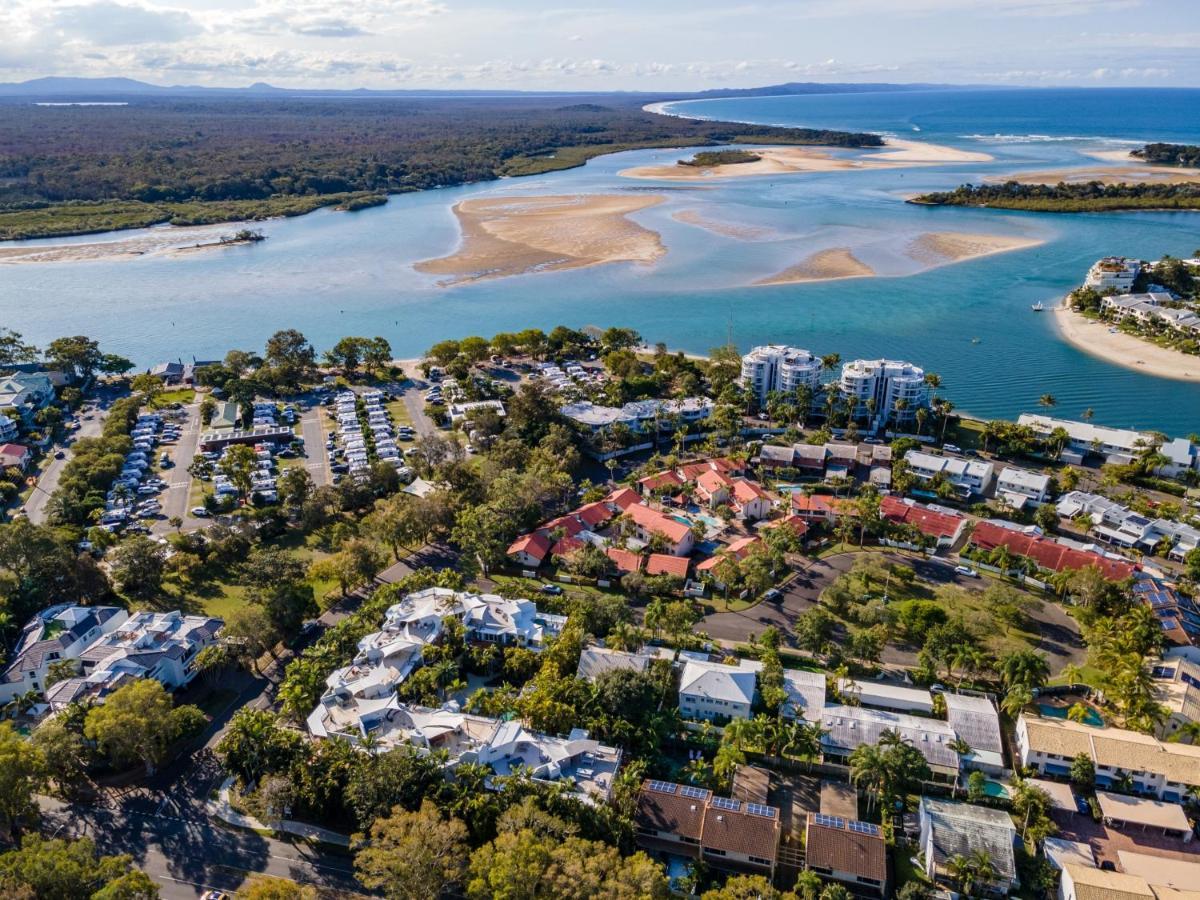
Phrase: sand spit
x=1107 y=175
x=165 y=241
x=792 y=160
x=503 y=236
x=727 y=229
x=834 y=264
x=1127 y=350
x=940 y=248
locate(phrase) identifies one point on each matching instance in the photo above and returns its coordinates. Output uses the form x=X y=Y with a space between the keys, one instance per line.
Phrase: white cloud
x=106 y=23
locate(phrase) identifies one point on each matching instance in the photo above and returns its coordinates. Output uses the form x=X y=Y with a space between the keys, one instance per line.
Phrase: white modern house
x=460 y=411
x=805 y=694
x=56 y=633
x=8 y=429
x=709 y=690
x=1114 y=523
x=23 y=393
x=1115 y=273
x=639 y=415
x=969 y=476
x=1120 y=445
x=774 y=367
x=975 y=721
x=848 y=727
x=1022 y=485
x=885 y=388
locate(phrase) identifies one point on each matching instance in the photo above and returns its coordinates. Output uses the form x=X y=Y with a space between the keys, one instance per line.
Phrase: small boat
x=975 y=341
x=1038 y=307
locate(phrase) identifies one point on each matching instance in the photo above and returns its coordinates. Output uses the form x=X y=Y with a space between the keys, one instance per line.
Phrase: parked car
x=552 y=589
x=966 y=571
x=199 y=512
x=60 y=454
x=952 y=448
x=772 y=594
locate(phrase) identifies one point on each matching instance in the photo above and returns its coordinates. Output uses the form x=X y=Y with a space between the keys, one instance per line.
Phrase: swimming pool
x=995 y=789
x=1060 y=712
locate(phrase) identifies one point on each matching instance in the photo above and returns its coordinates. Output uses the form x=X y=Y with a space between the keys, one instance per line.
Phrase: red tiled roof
x=738 y=831
x=726 y=465
x=849 y=852
x=623 y=498
x=566 y=546
x=665 y=564
x=665 y=478
x=570 y=525
x=1047 y=553
x=795 y=523
x=626 y=560
x=673 y=813
x=712 y=482
x=817 y=503
x=742 y=546
x=745 y=491
x=653 y=521
x=927 y=521
x=536 y=544
x=594 y=514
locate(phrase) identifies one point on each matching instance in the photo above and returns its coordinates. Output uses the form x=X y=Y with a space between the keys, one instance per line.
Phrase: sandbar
x=897 y=154
x=727 y=229
x=940 y=248
x=503 y=236
x=1142 y=174
x=834 y=264
x=1127 y=350
x=168 y=241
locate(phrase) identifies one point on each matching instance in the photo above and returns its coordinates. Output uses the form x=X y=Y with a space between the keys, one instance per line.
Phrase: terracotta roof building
x=848 y=851
x=945 y=527
x=1048 y=554
x=625 y=560
x=665 y=564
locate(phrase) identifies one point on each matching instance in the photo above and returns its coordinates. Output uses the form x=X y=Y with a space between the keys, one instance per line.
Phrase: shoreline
x=159 y=241
x=1125 y=350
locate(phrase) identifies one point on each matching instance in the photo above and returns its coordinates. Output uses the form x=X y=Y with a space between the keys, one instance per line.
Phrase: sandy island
x=504 y=236
x=897 y=154
x=736 y=230
x=931 y=250
x=1095 y=339
x=1111 y=174
x=168 y=240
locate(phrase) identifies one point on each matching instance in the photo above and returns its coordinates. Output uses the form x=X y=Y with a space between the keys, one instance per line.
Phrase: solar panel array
x=829 y=821
x=757 y=809
x=726 y=803
x=693 y=793
x=864 y=828
x=663 y=787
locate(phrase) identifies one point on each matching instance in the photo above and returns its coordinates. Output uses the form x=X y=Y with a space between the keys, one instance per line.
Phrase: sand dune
x=504 y=236
x=1126 y=350
x=792 y=160
x=939 y=248
x=825 y=265
x=727 y=229
x=1108 y=175
x=166 y=241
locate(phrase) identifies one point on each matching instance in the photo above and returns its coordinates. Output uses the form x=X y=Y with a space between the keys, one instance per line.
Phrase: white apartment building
x=639 y=415
x=1021 y=483
x=879 y=384
x=1114 y=523
x=1120 y=445
x=709 y=690
x=1113 y=273
x=1151 y=309
x=56 y=633
x=969 y=476
x=775 y=367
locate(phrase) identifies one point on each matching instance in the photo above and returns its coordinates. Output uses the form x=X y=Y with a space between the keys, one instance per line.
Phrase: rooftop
x=961 y=828
x=850 y=847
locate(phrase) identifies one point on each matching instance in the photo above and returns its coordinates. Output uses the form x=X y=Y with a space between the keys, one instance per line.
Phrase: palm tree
x=1088 y=414
x=1047 y=401
x=944 y=408
x=1188 y=731
x=1018 y=697
x=1072 y=673
x=868 y=772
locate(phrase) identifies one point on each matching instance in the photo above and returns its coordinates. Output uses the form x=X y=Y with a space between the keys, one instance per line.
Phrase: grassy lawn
x=398 y=411
x=967 y=433
x=166 y=398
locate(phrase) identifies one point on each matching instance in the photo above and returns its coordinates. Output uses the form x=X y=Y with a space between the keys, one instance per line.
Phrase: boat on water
x=1038 y=307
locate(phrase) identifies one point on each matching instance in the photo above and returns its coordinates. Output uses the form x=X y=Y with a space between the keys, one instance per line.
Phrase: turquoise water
x=994 y=789
x=331 y=274
x=1060 y=712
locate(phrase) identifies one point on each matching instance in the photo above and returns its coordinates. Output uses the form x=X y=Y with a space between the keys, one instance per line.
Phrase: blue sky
x=653 y=45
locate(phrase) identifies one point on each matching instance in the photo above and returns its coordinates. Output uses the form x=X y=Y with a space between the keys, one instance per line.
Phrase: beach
x=740 y=231
x=897 y=154
x=940 y=248
x=167 y=241
x=503 y=236
x=1095 y=339
x=1136 y=174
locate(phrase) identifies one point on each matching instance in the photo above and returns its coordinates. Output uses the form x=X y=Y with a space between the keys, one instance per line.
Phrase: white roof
x=1086 y=432
x=1161 y=871
x=1061 y=796
x=892 y=696
x=952 y=466
x=974 y=719
x=734 y=684
x=1136 y=811
x=595 y=661
x=1061 y=853
x=848 y=727
x=805 y=694
x=1024 y=478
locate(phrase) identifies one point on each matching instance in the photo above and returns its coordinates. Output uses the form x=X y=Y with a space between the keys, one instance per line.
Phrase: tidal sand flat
x=940 y=248
x=825 y=265
x=165 y=241
x=736 y=230
x=1130 y=351
x=793 y=160
x=1107 y=175
x=503 y=236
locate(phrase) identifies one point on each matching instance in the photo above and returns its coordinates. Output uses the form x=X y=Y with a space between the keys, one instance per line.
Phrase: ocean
x=331 y=274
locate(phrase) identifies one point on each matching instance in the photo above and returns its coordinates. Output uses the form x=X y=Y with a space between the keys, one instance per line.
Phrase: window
x=821 y=870
x=760 y=860
x=688 y=840
x=712 y=851
x=862 y=879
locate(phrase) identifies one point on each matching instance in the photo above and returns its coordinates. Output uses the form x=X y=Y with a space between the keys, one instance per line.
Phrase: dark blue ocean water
x=332 y=274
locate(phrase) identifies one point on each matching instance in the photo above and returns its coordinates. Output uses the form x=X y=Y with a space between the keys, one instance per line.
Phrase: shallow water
x=331 y=274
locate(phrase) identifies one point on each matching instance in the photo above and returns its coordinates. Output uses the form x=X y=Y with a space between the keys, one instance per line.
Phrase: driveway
x=316 y=459
x=414 y=402
x=179 y=480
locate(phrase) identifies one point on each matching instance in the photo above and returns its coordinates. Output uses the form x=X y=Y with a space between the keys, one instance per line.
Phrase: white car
x=966 y=571
x=199 y=512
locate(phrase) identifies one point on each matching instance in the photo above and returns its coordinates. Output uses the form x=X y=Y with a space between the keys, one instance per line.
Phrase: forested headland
x=191 y=160
x=1169 y=154
x=1093 y=196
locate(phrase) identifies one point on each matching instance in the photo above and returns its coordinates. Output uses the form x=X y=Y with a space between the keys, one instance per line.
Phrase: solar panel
x=757 y=809
x=829 y=821
x=663 y=787
x=726 y=803
x=864 y=828
x=693 y=793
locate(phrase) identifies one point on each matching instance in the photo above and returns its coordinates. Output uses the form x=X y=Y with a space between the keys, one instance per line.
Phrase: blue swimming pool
x=1060 y=712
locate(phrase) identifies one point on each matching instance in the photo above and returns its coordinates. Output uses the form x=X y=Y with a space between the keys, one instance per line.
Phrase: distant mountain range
x=60 y=88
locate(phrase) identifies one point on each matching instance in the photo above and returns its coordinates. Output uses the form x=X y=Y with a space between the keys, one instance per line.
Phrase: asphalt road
x=414 y=402
x=35 y=506
x=317 y=460
x=179 y=481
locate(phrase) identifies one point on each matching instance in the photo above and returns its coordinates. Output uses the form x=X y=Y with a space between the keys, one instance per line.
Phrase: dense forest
x=1094 y=196
x=720 y=158
x=162 y=151
x=1169 y=154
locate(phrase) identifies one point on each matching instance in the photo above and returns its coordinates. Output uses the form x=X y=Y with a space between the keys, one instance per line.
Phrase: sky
x=648 y=45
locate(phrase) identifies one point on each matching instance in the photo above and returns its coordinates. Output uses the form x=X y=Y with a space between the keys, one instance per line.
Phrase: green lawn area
x=166 y=398
x=398 y=411
x=967 y=433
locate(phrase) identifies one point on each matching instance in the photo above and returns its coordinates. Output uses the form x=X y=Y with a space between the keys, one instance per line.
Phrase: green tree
x=139 y=722
x=77 y=356
x=1024 y=667
x=254 y=746
x=22 y=775
x=71 y=869
x=412 y=855
x=138 y=567
x=265 y=887
x=238 y=466
x=482 y=535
